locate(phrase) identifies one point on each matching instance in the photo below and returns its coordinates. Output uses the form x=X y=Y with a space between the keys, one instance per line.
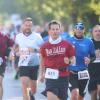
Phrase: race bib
x=24 y=60
x=24 y=57
x=97 y=61
x=1 y=61
x=24 y=51
x=83 y=75
x=52 y=73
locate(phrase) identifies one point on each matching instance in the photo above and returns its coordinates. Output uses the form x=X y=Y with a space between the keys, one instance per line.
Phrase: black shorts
x=80 y=84
x=29 y=71
x=94 y=71
x=2 y=70
x=59 y=87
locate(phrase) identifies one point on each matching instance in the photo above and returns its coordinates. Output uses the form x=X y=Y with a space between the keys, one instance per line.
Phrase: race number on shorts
x=51 y=73
x=83 y=75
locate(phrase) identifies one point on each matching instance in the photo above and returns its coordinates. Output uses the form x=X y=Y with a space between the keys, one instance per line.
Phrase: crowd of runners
x=59 y=59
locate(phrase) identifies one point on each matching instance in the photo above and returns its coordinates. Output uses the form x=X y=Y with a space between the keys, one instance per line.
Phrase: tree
x=67 y=11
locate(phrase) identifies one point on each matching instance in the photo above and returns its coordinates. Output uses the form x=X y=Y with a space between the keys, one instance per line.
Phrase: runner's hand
x=41 y=78
x=87 y=60
x=66 y=60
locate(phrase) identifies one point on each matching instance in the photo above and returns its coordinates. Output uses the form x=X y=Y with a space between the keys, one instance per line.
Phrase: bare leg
x=74 y=94
x=25 y=85
x=98 y=91
x=93 y=95
x=1 y=88
x=52 y=96
x=80 y=97
x=33 y=86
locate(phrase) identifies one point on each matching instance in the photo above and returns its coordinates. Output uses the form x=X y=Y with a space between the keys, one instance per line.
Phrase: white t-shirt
x=33 y=41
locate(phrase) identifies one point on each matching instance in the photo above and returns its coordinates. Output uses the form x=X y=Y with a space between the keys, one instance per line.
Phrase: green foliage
x=68 y=11
x=95 y=6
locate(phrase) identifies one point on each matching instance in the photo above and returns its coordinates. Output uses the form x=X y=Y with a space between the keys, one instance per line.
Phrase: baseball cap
x=79 y=26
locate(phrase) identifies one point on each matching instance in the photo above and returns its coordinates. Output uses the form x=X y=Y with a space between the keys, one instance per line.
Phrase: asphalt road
x=12 y=88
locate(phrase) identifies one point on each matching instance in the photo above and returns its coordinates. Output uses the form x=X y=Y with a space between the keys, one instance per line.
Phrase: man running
x=28 y=44
x=94 y=67
x=5 y=46
x=84 y=55
x=56 y=54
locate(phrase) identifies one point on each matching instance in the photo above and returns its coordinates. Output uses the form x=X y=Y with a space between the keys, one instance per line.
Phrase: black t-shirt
x=94 y=68
x=96 y=44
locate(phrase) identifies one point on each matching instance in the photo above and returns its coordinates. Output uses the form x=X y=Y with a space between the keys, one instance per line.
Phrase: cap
x=79 y=26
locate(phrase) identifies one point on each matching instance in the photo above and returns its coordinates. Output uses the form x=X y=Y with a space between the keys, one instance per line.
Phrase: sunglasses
x=79 y=27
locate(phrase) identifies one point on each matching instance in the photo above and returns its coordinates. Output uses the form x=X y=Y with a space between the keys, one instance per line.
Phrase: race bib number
x=83 y=75
x=52 y=73
x=24 y=51
x=1 y=60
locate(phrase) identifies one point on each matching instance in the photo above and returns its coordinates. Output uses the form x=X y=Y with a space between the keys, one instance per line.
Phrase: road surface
x=12 y=88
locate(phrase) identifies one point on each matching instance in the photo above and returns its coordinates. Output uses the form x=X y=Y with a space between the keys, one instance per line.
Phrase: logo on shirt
x=55 y=51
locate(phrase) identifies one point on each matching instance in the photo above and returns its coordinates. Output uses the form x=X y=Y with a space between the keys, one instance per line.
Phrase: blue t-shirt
x=84 y=48
x=64 y=36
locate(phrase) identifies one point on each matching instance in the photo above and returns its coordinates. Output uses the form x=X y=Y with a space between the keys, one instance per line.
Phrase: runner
x=55 y=57
x=5 y=45
x=94 y=67
x=28 y=43
x=84 y=55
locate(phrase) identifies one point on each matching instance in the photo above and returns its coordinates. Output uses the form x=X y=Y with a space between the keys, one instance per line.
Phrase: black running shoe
x=31 y=96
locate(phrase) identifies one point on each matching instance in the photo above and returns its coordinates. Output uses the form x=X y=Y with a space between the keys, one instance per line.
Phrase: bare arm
x=14 y=50
x=42 y=68
x=73 y=60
